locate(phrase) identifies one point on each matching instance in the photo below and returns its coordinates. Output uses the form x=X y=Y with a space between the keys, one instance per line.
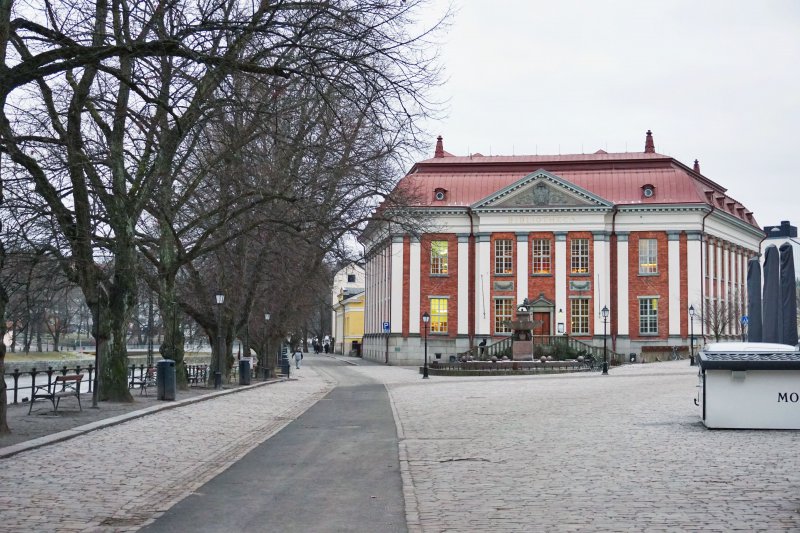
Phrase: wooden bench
x=148 y=379
x=59 y=388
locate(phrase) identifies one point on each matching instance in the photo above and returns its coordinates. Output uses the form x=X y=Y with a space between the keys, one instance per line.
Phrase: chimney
x=439 y=147
x=649 y=147
x=697 y=166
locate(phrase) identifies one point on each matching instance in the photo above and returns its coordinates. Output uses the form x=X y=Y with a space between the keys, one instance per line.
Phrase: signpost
x=744 y=320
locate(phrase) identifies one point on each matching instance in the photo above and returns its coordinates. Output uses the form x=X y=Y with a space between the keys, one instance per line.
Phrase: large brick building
x=637 y=232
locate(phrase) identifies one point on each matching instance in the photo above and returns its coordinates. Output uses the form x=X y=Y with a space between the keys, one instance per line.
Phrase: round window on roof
x=648 y=192
x=439 y=195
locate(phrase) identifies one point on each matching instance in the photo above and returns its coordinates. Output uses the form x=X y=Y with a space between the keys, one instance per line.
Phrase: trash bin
x=165 y=379
x=285 y=366
x=633 y=357
x=244 y=371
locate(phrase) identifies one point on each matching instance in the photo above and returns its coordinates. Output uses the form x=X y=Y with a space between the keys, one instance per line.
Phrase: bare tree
x=719 y=317
x=114 y=93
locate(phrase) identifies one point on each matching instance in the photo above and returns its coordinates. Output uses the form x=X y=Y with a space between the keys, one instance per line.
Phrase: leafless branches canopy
x=197 y=144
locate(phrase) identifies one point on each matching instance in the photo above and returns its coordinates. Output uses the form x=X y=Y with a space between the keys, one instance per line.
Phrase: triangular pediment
x=542 y=190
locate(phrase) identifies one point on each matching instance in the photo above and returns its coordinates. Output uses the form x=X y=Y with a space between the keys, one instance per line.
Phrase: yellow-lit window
x=648 y=256
x=438 y=315
x=438 y=257
x=541 y=256
x=579 y=256
x=503 y=309
x=503 y=256
x=579 y=316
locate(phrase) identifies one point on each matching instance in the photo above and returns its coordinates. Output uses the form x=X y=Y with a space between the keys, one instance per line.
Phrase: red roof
x=618 y=178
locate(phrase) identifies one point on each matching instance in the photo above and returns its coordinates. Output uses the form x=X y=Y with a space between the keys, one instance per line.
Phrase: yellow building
x=349 y=323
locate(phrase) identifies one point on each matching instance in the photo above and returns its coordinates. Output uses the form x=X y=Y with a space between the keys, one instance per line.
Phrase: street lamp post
x=265 y=366
x=220 y=298
x=691 y=335
x=425 y=319
x=604 y=314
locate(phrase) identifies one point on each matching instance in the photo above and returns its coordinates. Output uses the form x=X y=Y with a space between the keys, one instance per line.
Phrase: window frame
x=581 y=315
x=439 y=322
x=439 y=262
x=648 y=323
x=505 y=262
x=648 y=259
x=579 y=256
x=540 y=257
x=499 y=327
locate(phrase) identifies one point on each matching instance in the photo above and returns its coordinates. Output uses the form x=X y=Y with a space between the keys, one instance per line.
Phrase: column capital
x=622 y=236
x=673 y=235
x=600 y=235
x=561 y=236
x=484 y=237
x=522 y=236
x=694 y=235
x=397 y=239
x=463 y=237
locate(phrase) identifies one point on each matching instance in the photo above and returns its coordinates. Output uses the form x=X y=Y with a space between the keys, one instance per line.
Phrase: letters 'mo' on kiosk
x=749 y=385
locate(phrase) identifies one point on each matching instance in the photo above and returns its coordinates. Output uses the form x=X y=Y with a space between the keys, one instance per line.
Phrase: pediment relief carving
x=541 y=194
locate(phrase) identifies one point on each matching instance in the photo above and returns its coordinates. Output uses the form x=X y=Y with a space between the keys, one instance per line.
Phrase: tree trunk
x=172 y=346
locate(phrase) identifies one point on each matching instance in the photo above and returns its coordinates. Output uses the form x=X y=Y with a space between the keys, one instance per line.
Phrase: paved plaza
x=577 y=452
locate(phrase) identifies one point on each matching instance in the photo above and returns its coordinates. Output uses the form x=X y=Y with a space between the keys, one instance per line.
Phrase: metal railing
x=27 y=381
x=555 y=346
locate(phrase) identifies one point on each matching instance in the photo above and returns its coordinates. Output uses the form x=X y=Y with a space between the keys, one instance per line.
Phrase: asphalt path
x=335 y=468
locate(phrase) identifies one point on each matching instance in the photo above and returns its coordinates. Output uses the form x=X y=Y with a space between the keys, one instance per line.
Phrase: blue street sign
x=745 y=320
x=386 y=327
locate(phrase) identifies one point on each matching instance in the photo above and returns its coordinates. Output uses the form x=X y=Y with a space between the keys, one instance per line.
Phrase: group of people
x=324 y=346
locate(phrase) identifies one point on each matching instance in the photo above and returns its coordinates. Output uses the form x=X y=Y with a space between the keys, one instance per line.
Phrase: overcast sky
x=717 y=81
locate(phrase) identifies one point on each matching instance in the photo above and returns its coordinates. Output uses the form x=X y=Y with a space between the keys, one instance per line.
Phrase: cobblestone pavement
x=578 y=452
x=120 y=477
x=586 y=452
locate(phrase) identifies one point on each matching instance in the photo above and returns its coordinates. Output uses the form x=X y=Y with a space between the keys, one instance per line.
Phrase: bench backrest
x=73 y=377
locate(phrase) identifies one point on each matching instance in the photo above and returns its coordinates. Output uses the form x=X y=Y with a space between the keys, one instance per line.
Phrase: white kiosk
x=750 y=385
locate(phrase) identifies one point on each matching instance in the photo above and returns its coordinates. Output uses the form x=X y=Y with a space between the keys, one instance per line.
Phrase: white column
x=694 y=271
x=482 y=288
x=726 y=276
x=396 y=288
x=623 y=318
x=601 y=277
x=718 y=270
x=711 y=260
x=414 y=284
x=522 y=266
x=561 y=274
x=463 y=284
x=674 y=282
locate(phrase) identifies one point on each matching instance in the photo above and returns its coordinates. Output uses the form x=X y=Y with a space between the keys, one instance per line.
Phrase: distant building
x=639 y=233
x=347 y=301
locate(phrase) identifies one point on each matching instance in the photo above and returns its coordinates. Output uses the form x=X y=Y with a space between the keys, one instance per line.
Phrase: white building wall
x=522 y=266
x=414 y=283
x=397 y=285
x=463 y=284
x=561 y=273
x=674 y=268
x=601 y=278
x=482 y=285
x=623 y=318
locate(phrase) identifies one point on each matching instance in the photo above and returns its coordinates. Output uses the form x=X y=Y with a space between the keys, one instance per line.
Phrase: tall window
x=503 y=309
x=579 y=316
x=438 y=315
x=541 y=256
x=648 y=316
x=503 y=256
x=648 y=256
x=438 y=257
x=579 y=263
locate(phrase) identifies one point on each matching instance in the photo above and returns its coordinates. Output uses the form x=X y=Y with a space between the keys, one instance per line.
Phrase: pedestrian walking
x=298 y=356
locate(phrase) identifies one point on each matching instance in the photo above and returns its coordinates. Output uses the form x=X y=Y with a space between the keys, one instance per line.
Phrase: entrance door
x=544 y=327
